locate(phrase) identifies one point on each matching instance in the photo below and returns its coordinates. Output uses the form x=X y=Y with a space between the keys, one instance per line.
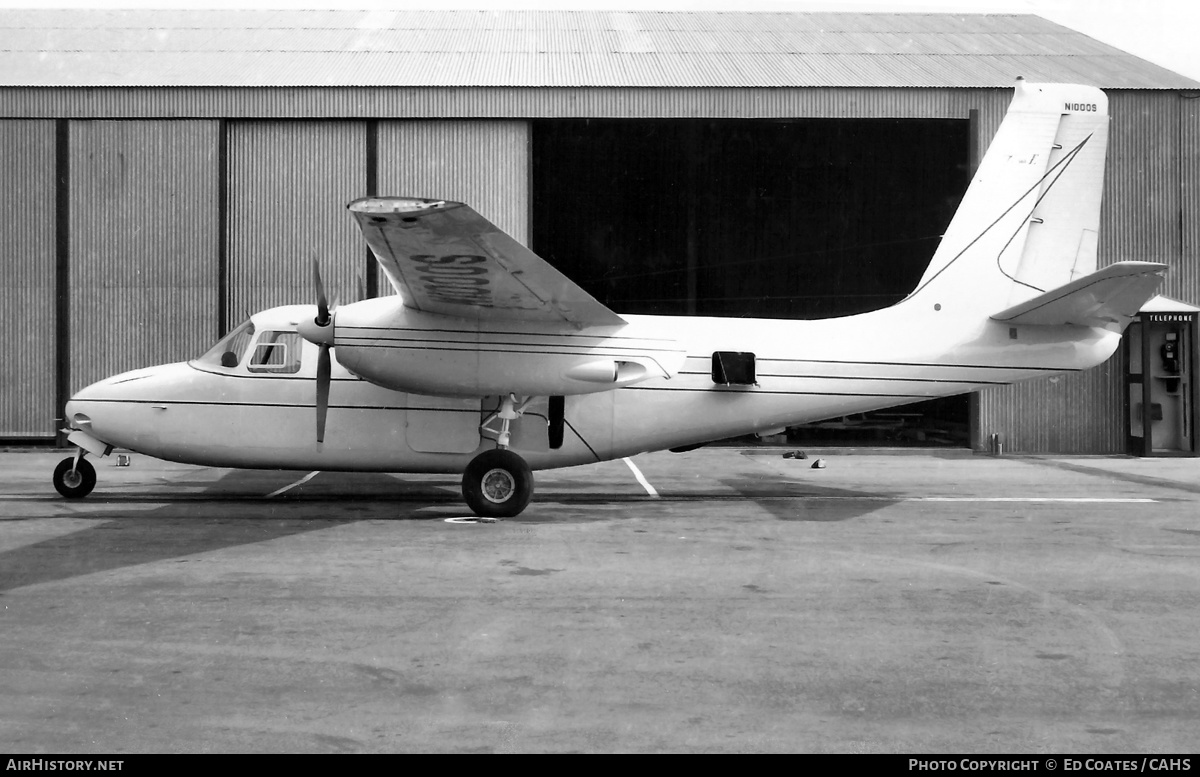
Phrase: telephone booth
x=1160 y=387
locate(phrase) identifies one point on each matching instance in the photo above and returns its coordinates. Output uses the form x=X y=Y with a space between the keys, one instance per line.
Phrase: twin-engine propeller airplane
x=492 y=363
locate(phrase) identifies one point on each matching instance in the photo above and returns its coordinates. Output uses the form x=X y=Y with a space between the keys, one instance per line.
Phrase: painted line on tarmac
x=875 y=498
x=1068 y=499
x=897 y=499
x=299 y=482
x=637 y=473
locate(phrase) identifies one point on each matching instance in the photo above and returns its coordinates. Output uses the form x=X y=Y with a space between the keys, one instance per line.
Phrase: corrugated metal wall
x=1078 y=413
x=289 y=183
x=143 y=244
x=1189 y=193
x=492 y=103
x=1141 y=215
x=27 y=291
x=482 y=163
x=505 y=103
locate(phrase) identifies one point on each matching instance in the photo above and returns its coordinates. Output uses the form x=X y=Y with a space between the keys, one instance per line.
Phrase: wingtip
x=376 y=205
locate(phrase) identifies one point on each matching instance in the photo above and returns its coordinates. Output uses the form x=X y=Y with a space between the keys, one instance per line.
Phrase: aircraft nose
x=83 y=405
x=73 y=409
x=119 y=411
x=78 y=412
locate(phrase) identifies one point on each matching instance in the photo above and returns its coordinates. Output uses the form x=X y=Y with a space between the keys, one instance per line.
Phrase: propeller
x=324 y=369
x=319 y=331
x=323 y=318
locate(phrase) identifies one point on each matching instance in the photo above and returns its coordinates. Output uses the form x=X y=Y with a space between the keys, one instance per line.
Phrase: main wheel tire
x=497 y=484
x=74 y=481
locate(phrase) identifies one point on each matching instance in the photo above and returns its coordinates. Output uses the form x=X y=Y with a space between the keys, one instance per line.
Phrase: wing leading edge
x=443 y=257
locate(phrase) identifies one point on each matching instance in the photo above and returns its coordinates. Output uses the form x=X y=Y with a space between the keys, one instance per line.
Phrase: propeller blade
x=322 y=302
x=324 y=368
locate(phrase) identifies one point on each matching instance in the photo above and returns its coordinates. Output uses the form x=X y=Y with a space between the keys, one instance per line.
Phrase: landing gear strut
x=499 y=483
x=74 y=477
x=511 y=408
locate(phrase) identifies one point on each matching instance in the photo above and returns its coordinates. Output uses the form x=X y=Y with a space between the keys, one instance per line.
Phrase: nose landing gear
x=74 y=477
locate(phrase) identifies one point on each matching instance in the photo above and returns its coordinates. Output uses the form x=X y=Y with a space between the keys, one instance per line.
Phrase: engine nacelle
x=407 y=350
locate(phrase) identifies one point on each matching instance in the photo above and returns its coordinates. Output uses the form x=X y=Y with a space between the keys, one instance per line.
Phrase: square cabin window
x=733 y=368
x=277 y=352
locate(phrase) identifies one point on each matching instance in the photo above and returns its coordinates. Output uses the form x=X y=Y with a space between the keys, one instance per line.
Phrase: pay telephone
x=1170 y=353
x=1170 y=361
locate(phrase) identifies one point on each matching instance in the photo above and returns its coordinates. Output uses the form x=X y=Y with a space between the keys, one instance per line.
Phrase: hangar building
x=167 y=172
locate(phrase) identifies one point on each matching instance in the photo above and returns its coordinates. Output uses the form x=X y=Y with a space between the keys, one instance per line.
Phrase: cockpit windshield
x=230 y=349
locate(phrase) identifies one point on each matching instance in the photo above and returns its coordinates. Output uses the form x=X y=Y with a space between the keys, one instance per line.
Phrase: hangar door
x=482 y=163
x=800 y=219
x=27 y=290
x=289 y=182
x=143 y=244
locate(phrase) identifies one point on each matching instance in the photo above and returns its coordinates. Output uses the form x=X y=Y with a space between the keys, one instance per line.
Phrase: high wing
x=443 y=257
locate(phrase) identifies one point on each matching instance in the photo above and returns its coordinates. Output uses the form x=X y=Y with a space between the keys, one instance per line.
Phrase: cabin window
x=732 y=368
x=230 y=349
x=276 y=352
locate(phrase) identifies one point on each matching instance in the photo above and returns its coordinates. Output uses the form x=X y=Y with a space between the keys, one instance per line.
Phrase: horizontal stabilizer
x=1108 y=298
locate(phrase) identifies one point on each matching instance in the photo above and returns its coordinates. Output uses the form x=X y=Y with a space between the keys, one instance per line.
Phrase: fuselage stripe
x=275 y=404
x=1006 y=367
x=571 y=426
x=760 y=392
x=538 y=348
x=861 y=378
x=500 y=333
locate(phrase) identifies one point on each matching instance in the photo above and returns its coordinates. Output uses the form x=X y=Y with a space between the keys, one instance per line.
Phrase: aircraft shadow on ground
x=804 y=502
x=233 y=511
x=228 y=514
x=785 y=499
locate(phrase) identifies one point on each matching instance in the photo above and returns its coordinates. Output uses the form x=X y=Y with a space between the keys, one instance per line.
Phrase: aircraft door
x=442 y=425
x=1160 y=384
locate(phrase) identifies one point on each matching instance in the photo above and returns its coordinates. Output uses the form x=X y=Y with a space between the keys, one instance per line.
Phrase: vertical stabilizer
x=1030 y=219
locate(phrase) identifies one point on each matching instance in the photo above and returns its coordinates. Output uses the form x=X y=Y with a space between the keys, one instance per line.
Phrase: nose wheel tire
x=497 y=484
x=74 y=480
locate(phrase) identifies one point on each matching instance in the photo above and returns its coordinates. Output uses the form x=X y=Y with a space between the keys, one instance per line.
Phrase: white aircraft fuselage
x=202 y=413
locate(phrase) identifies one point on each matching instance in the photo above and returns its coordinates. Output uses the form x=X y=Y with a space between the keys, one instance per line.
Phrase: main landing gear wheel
x=74 y=480
x=497 y=484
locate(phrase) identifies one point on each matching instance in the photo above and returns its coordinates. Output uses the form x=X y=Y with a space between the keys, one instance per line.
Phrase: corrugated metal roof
x=554 y=49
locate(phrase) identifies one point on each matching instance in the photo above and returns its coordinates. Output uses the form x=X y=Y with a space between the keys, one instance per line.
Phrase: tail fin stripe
x=1059 y=164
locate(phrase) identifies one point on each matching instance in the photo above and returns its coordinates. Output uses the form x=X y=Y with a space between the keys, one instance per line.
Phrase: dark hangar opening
x=773 y=219
x=807 y=218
